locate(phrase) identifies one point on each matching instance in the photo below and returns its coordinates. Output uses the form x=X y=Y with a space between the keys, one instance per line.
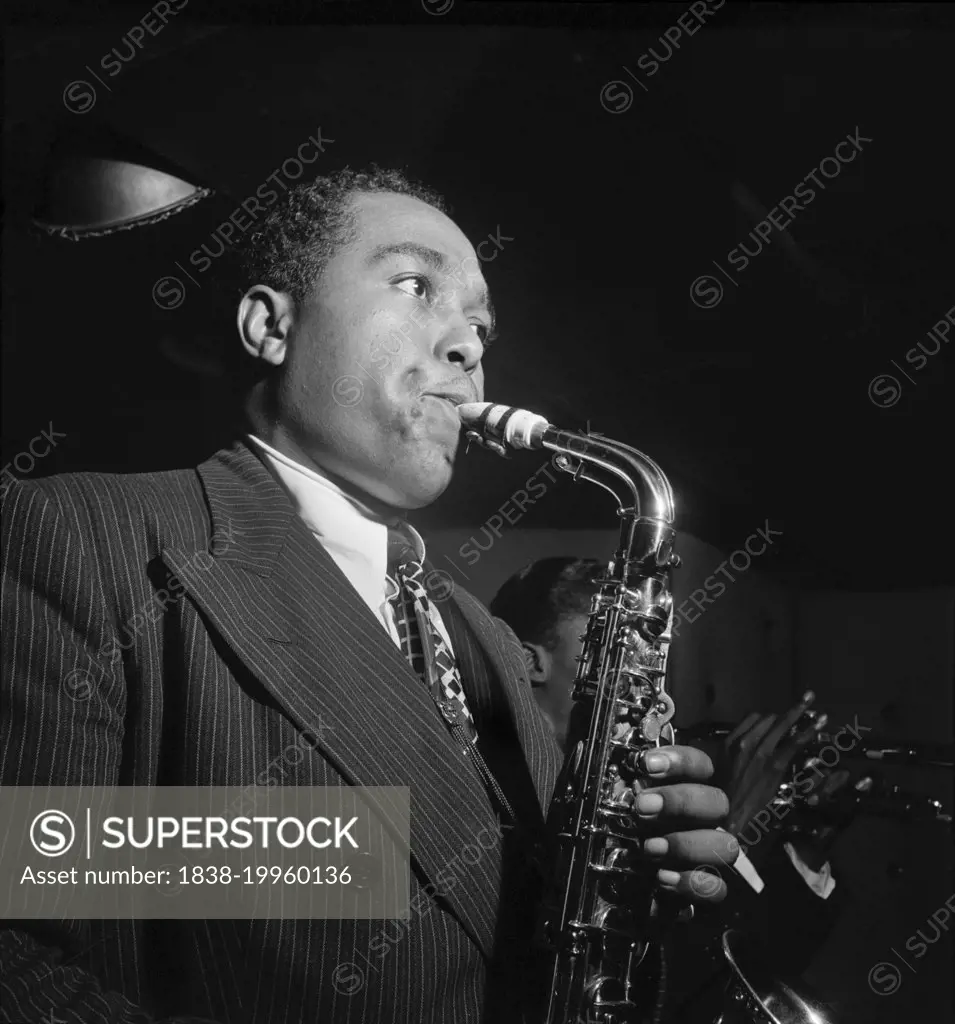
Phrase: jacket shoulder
x=167 y=504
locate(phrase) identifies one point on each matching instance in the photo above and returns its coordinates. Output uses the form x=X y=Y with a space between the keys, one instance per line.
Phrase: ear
x=539 y=663
x=265 y=318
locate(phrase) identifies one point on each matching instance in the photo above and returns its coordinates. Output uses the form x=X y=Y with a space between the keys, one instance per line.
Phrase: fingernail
x=671 y=878
x=656 y=762
x=808 y=697
x=649 y=803
x=821 y=721
x=656 y=847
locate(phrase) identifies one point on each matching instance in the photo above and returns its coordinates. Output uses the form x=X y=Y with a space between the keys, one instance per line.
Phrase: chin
x=414 y=486
x=421 y=479
x=421 y=493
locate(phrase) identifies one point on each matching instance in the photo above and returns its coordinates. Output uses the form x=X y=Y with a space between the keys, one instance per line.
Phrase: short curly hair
x=533 y=601
x=291 y=247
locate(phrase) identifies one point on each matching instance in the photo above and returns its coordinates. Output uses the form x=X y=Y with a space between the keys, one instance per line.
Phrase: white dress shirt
x=357 y=541
x=821 y=882
x=349 y=531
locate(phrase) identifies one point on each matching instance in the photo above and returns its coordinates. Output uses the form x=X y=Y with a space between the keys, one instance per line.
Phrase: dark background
x=757 y=408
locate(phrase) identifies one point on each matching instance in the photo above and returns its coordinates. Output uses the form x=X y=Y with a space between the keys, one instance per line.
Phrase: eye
x=485 y=334
x=419 y=286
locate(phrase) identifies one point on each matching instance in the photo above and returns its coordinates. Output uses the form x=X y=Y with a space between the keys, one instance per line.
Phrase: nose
x=461 y=347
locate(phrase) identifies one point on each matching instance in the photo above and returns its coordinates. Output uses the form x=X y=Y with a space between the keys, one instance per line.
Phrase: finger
x=754 y=738
x=812 y=731
x=835 y=782
x=694 y=846
x=866 y=784
x=748 y=722
x=788 y=751
x=664 y=763
x=684 y=801
x=785 y=724
x=701 y=885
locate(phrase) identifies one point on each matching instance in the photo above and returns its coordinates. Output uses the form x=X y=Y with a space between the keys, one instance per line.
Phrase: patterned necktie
x=417 y=622
x=423 y=643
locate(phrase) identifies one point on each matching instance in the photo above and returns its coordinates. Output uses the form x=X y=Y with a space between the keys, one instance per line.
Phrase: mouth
x=450 y=399
x=449 y=405
x=455 y=397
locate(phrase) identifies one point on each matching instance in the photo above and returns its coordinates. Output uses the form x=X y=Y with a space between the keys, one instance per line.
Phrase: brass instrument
x=871 y=795
x=872 y=748
x=603 y=912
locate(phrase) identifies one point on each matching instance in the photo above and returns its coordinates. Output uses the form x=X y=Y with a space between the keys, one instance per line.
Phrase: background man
x=547 y=605
x=275 y=593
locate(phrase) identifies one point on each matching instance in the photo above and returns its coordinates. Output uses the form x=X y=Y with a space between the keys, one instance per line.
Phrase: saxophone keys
x=651 y=728
x=484 y=442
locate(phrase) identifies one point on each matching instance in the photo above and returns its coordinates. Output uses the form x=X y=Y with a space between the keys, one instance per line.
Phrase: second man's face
x=554 y=696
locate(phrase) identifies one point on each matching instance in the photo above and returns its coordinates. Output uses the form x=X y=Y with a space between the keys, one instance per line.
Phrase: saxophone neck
x=646 y=491
x=644 y=497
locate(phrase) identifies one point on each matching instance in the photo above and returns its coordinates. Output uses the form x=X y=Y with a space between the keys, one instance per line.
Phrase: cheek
x=348 y=342
x=400 y=420
x=346 y=375
x=315 y=369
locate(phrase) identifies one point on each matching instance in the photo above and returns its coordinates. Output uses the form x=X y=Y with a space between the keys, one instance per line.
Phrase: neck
x=276 y=436
x=379 y=509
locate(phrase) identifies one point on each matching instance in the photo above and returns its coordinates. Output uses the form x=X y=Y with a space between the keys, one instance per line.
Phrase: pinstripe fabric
x=261 y=640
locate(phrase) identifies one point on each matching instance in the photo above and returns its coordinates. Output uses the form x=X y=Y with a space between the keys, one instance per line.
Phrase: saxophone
x=602 y=913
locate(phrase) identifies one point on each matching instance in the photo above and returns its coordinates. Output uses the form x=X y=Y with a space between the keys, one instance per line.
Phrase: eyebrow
x=434 y=259
x=431 y=258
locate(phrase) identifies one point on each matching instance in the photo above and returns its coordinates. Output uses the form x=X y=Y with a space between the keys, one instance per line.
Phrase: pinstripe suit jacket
x=263 y=640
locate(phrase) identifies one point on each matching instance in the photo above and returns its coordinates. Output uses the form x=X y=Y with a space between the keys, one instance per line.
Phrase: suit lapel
x=503 y=650
x=287 y=611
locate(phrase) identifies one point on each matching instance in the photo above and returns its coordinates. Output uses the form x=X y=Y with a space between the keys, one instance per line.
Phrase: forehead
x=385 y=219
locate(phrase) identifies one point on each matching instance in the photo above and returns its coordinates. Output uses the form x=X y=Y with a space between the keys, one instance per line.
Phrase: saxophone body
x=601 y=914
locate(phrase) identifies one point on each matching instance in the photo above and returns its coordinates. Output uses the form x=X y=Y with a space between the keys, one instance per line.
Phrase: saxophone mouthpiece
x=497 y=425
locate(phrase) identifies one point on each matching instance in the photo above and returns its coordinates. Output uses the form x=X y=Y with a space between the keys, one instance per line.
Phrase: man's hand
x=831 y=809
x=757 y=757
x=669 y=799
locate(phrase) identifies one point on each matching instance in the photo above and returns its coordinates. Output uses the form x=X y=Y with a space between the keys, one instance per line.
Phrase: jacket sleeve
x=798 y=921
x=64 y=700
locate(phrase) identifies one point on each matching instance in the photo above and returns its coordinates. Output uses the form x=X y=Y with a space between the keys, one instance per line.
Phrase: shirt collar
x=339 y=519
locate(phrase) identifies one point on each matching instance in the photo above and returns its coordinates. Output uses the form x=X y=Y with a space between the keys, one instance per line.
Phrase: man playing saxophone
x=363 y=320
